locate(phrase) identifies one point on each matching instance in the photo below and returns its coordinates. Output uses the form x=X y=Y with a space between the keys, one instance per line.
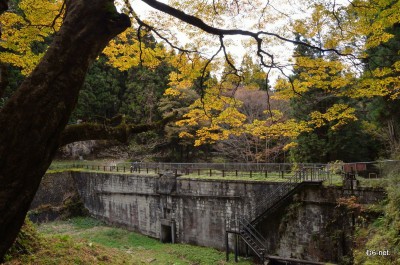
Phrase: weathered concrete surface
x=313 y=227
x=57 y=197
x=130 y=201
x=199 y=211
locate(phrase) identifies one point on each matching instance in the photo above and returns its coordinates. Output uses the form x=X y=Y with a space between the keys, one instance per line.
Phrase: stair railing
x=284 y=189
x=252 y=237
x=247 y=229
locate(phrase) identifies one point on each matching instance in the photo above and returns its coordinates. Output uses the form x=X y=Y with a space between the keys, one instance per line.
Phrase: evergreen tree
x=253 y=75
x=324 y=143
x=144 y=89
x=384 y=112
x=100 y=97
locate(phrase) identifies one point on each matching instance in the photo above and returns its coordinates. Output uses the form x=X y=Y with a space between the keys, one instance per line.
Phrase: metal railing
x=253 y=238
x=285 y=188
x=267 y=170
x=271 y=198
x=373 y=169
x=246 y=228
x=272 y=167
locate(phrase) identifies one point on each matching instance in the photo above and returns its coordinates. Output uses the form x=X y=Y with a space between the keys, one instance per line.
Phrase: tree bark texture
x=32 y=121
x=3 y=6
x=120 y=132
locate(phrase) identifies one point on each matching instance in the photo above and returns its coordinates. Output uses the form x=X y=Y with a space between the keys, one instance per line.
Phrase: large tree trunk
x=32 y=121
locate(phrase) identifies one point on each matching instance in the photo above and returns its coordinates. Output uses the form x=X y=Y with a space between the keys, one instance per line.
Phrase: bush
x=383 y=235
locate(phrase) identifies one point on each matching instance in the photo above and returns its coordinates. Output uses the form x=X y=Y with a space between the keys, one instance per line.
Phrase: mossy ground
x=88 y=241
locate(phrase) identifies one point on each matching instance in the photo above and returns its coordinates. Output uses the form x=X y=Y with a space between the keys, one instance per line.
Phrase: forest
x=318 y=87
x=336 y=103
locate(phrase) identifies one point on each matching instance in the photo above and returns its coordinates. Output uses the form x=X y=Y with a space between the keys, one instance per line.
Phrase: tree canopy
x=341 y=36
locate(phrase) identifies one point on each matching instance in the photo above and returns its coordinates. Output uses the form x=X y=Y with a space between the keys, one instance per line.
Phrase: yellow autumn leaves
x=217 y=114
x=127 y=51
x=21 y=33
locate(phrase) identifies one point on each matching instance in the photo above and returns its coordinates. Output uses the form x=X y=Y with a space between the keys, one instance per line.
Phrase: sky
x=287 y=10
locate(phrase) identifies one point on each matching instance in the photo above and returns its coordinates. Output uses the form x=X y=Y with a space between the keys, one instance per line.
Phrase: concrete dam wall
x=199 y=211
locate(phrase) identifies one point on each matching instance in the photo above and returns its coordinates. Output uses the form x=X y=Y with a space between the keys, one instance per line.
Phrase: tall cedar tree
x=324 y=144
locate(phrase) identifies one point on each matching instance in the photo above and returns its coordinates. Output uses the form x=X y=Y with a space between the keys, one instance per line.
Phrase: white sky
x=282 y=52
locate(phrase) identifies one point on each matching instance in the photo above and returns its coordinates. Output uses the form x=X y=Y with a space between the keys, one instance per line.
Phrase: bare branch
x=337 y=18
x=139 y=36
x=151 y=28
x=197 y=22
x=231 y=65
x=215 y=9
x=203 y=73
x=268 y=95
x=60 y=12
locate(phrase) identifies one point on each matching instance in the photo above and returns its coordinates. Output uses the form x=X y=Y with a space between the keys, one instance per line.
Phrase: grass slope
x=88 y=241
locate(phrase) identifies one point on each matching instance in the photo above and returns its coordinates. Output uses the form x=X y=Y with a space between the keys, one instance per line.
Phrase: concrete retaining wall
x=199 y=211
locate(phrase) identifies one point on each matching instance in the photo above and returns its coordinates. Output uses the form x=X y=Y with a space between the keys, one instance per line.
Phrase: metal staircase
x=271 y=202
x=252 y=238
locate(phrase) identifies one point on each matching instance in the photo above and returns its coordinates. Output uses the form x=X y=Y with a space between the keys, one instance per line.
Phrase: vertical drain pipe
x=226 y=244
x=236 y=248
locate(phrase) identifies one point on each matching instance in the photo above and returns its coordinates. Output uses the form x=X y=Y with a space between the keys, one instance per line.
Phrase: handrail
x=247 y=228
x=216 y=169
x=248 y=232
x=276 y=194
x=247 y=225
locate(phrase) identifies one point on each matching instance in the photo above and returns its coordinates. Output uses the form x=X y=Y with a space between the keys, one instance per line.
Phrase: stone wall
x=199 y=211
x=57 y=197
x=313 y=227
x=129 y=201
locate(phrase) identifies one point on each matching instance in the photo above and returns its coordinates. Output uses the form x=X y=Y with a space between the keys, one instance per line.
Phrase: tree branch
x=3 y=6
x=97 y=131
x=3 y=78
x=197 y=22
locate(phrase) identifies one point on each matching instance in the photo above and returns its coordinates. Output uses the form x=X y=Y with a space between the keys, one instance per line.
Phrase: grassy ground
x=373 y=182
x=98 y=166
x=88 y=241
